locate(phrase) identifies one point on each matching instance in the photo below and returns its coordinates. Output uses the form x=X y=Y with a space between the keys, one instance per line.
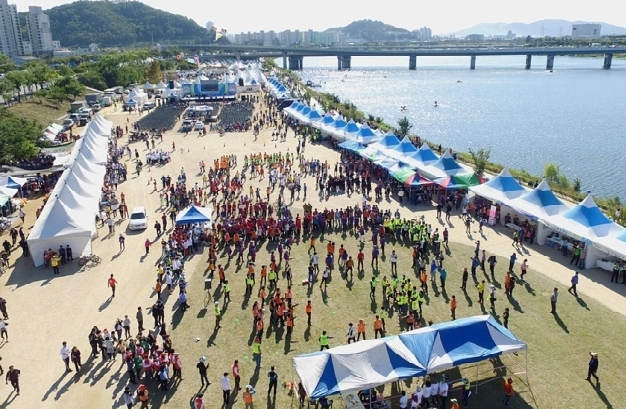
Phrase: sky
x=441 y=16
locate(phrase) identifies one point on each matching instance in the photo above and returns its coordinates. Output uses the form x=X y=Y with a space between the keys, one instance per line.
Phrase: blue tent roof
x=301 y=108
x=542 y=196
x=294 y=104
x=539 y=203
x=328 y=119
x=388 y=141
x=313 y=115
x=305 y=110
x=371 y=363
x=447 y=163
x=281 y=88
x=194 y=214
x=339 y=123
x=505 y=182
x=12 y=184
x=352 y=146
x=406 y=146
x=587 y=213
x=351 y=128
x=365 y=131
x=425 y=155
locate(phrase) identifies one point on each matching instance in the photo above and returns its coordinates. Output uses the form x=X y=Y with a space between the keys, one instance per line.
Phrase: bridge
x=293 y=56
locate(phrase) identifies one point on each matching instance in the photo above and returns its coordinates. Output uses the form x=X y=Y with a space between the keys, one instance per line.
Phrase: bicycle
x=86 y=259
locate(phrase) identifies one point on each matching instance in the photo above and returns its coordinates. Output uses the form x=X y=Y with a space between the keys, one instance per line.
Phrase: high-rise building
x=10 y=37
x=39 y=31
x=209 y=26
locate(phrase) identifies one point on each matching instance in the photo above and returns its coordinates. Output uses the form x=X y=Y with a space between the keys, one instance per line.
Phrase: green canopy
x=403 y=174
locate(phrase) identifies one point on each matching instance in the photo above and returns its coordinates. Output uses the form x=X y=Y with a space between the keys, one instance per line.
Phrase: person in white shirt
x=404 y=400
x=443 y=391
x=225 y=388
x=65 y=355
x=426 y=388
x=434 y=393
x=394 y=262
x=350 y=334
x=418 y=395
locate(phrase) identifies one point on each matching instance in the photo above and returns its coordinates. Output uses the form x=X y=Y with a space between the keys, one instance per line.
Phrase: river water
x=573 y=117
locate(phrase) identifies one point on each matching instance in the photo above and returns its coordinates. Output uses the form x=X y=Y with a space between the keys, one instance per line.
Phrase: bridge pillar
x=345 y=63
x=473 y=62
x=550 y=62
x=608 y=58
x=339 y=63
x=295 y=62
x=529 y=59
x=284 y=61
x=300 y=62
x=412 y=62
x=238 y=57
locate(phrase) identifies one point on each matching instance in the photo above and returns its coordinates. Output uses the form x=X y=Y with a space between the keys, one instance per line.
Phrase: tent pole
x=476 y=379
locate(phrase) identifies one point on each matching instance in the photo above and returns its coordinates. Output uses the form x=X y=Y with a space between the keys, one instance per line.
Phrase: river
x=573 y=117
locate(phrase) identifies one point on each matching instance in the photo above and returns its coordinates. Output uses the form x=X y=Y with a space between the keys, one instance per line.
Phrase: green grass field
x=558 y=345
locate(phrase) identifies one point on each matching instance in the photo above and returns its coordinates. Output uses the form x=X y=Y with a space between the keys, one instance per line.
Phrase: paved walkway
x=46 y=310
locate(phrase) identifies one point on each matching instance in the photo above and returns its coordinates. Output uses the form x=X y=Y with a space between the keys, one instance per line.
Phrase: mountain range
x=549 y=28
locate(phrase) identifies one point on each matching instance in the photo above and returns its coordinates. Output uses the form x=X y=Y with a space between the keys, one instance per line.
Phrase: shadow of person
x=560 y=322
x=105 y=304
x=602 y=396
x=54 y=387
x=582 y=303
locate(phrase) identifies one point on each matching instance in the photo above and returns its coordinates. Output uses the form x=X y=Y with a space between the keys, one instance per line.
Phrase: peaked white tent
x=444 y=166
x=500 y=189
x=100 y=126
x=539 y=203
x=613 y=245
x=69 y=215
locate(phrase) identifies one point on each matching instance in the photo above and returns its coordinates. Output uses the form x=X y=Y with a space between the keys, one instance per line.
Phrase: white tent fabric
x=539 y=203
x=137 y=96
x=69 y=215
x=445 y=166
x=613 y=245
x=101 y=126
x=7 y=191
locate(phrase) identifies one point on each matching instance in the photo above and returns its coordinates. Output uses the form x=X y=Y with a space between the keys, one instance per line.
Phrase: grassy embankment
x=329 y=101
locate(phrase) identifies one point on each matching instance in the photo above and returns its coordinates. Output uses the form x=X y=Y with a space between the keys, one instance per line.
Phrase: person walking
x=218 y=314
x=308 y=309
x=323 y=341
x=505 y=318
x=508 y=391
x=65 y=355
x=553 y=299
x=13 y=375
x=142 y=394
x=593 y=367
x=225 y=388
x=112 y=282
x=273 y=375
x=198 y=402
x=127 y=396
x=139 y=317
x=574 y=281
x=465 y=277
x=147 y=245
x=75 y=356
x=3 y=308
x=481 y=292
x=492 y=297
x=122 y=241
x=202 y=370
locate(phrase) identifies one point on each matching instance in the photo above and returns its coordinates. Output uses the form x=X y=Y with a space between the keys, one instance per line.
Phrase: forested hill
x=119 y=24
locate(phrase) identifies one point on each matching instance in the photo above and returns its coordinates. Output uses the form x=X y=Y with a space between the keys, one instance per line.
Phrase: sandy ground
x=46 y=310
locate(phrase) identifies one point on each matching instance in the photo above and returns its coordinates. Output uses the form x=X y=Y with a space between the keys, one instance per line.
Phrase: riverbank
x=571 y=189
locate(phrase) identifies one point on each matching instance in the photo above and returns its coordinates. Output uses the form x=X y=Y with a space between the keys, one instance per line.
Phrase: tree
x=6 y=90
x=19 y=138
x=404 y=127
x=480 y=159
x=154 y=73
x=6 y=64
x=18 y=79
x=41 y=74
x=69 y=85
x=92 y=79
x=552 y=173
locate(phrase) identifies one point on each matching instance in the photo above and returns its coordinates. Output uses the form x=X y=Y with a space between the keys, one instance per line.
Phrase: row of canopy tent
x=368 y=364
x=277 y=89
x=585 y=221
x=68 y=216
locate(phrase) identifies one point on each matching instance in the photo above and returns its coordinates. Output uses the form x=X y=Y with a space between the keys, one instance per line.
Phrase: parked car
x=199 y=125
x=138 y=218
x=148 y=105
x=95 y=107
x=68 y=124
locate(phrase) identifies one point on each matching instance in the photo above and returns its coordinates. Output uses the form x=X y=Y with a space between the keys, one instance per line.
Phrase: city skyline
x=442 y=19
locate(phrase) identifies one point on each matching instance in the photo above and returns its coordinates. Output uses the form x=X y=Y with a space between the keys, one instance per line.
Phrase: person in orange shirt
x=453 y=307
x=263 y=280
x=360 y=330
x=289 y=324
x=262 y=295
x=378 y=327
x=424 y=280
x=247 y=398
x=311 y=244
x=308 y=309
x=349 y=265
x=508 y=391
x=222 y=274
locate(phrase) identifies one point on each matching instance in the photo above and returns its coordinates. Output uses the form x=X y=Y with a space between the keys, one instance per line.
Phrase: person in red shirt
x=236 y=374
x=147 y=244
x=360 y=257
x=112 y=282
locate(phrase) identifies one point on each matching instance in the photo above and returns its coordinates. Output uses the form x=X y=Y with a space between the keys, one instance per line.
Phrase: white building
x=56 y=45
x=39 y=31
x=209 y=26
x=10 y=36
x=586 y=30
x=28 y=48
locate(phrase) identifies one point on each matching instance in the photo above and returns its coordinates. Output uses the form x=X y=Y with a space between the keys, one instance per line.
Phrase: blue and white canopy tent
x=388 y=141
x=613 y=245
x=585 y=222
x=365 y=135
x=445 y=166
x=327 y=119
x=291 y=109
x=539 y=203
x=334 y=128
x=351 y=146
x=372 y=363
x=194 y=214
x=423 y=157
x=500 y=189
x=403 y=150
x=351 y=128
x=313 y=116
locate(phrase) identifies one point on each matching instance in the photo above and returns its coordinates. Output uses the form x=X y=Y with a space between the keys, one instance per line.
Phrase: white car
x=199 y=125
x=138 y=218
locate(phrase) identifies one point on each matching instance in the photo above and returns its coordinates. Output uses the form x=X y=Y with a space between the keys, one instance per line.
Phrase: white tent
x=69 y=215
x=100 y=126
x=613 y=245
x=500 y=189
x=137 y=96
x=161 y=85
x=147 y=86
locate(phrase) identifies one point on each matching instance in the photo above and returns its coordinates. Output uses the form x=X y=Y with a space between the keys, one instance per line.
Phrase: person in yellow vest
x=247 y=398
x=324 y=341
x=54 y=262
x=256 y=352
x=218 y=315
